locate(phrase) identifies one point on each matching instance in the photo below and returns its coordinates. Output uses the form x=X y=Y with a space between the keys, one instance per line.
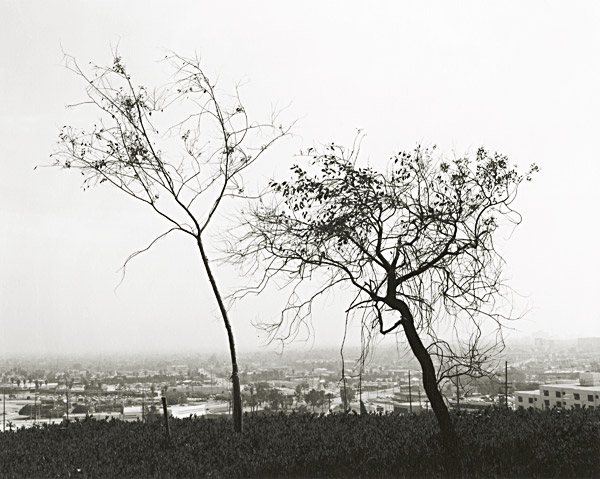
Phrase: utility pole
x=457 y=391
x=506 y=383
x=166 y=414
x=409 y=393
x=3 y=409
x=360 y=384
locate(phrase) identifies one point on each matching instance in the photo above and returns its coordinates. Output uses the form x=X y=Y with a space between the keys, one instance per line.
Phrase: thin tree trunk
x=237 y=394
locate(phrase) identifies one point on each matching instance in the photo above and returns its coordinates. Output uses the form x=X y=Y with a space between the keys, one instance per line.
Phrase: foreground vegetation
x=497 y=443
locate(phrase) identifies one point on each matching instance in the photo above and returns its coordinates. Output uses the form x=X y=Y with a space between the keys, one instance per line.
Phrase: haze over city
x=517 y=78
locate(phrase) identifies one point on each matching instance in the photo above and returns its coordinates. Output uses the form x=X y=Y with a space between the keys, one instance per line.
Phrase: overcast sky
x=521 y=78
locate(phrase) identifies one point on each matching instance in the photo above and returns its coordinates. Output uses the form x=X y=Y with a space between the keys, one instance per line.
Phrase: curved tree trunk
x=237 y=394
x=430 y=384
x=450 y=440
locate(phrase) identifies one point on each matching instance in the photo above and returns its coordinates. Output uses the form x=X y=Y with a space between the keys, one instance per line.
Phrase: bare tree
x=181 y=149
x=415 y=243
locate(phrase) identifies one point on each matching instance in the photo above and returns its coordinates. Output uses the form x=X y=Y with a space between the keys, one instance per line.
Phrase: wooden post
x=166 y=413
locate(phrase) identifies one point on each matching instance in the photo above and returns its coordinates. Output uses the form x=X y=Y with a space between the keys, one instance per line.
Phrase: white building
x=586 y=393
x=527 y=399
x=132 y=413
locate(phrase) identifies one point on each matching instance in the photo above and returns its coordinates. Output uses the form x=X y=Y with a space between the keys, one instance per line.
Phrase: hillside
x=497 y=443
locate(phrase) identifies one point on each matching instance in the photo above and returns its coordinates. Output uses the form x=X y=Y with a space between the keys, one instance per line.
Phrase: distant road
x=217 y=407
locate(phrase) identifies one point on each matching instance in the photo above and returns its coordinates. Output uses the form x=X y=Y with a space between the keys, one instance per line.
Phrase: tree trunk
x=237 y=393
x=450 y=439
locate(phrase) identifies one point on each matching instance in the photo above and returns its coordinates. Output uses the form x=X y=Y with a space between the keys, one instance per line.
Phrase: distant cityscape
x=542 y=373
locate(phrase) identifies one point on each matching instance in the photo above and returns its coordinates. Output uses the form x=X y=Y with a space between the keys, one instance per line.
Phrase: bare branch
x=184 y=174
x=143 y=250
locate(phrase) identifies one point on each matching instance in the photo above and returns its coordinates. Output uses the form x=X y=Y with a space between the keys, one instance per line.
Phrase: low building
x=528 y=399
x=206 y=389
x=568 y=396
x=132 y=413
x=586 y=393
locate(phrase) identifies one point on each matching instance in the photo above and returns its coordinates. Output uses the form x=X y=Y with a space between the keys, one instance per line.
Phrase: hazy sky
x=518 y=77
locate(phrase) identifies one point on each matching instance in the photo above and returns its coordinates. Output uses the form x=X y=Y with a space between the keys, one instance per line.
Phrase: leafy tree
x=315 y=398
x=262 y=392
x=183 y=173
x=416 y=244
x=250 y=397
x=26 y=410
x=275 y=398
x=80 y=409
x=299 y=393
x=176 y=397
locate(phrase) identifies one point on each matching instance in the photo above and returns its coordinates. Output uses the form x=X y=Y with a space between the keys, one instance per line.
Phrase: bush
x=81 y=409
